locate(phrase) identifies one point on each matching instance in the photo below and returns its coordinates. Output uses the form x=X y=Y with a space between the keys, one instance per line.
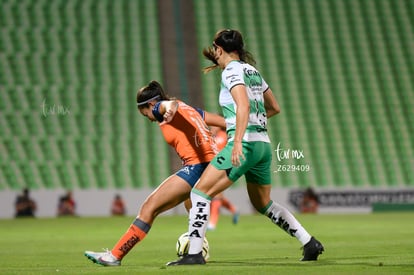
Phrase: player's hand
x=237 y=154
x=170 y=110
x=168 y=115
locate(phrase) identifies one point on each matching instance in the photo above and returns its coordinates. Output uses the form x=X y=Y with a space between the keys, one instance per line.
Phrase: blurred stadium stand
x=69 y=72
x=343 y=72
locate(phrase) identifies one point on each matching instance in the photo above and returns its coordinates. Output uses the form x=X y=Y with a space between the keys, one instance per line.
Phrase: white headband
x=148 y=100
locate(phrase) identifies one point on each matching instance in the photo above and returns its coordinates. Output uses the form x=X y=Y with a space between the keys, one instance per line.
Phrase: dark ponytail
x=230 y=41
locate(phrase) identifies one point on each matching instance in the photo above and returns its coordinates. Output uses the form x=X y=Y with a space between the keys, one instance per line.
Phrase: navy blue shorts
x=192 y=173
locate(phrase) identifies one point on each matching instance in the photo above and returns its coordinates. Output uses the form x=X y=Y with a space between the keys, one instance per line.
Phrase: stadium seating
x=69 y=73
x=342 y=71
x=69 y=70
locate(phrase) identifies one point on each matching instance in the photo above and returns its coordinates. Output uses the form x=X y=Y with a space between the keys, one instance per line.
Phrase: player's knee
x=148 y=211
x=259 y=204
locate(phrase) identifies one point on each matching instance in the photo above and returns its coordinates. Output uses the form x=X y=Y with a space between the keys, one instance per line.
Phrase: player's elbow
x=273 y=111
x=276 y=109
x=244 y=108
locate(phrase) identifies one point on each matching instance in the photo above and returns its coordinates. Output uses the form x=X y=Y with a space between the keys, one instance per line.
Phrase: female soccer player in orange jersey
x=185 y=129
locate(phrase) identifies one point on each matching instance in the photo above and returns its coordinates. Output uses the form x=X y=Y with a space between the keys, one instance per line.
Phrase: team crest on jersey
x=252 y=78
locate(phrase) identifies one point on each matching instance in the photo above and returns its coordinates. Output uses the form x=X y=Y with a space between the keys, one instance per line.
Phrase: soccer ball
x=183 y=244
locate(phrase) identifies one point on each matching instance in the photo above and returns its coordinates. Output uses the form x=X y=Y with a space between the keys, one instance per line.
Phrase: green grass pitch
x=354 y=244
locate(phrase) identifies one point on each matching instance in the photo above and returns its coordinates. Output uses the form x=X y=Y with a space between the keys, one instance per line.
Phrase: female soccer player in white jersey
x=247 y=102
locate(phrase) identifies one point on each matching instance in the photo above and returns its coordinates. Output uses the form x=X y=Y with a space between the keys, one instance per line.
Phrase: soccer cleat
x=189 y=259
x=311 y=250
x=103 y=258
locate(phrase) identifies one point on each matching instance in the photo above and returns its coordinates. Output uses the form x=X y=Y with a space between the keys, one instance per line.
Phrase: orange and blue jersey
x=188 y=134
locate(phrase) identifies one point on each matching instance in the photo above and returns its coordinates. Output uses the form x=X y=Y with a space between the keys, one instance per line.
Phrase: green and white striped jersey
x=240 y=73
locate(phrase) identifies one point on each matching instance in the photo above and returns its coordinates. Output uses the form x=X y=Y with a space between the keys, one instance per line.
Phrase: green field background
x=354 y=244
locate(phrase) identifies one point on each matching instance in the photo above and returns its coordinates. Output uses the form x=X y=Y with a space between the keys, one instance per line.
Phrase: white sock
x=280 y=216
x=199 y=217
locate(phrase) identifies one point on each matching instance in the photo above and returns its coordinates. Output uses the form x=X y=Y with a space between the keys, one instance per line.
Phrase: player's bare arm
x=239 y=95
x=214 y=120
x=270 y=103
